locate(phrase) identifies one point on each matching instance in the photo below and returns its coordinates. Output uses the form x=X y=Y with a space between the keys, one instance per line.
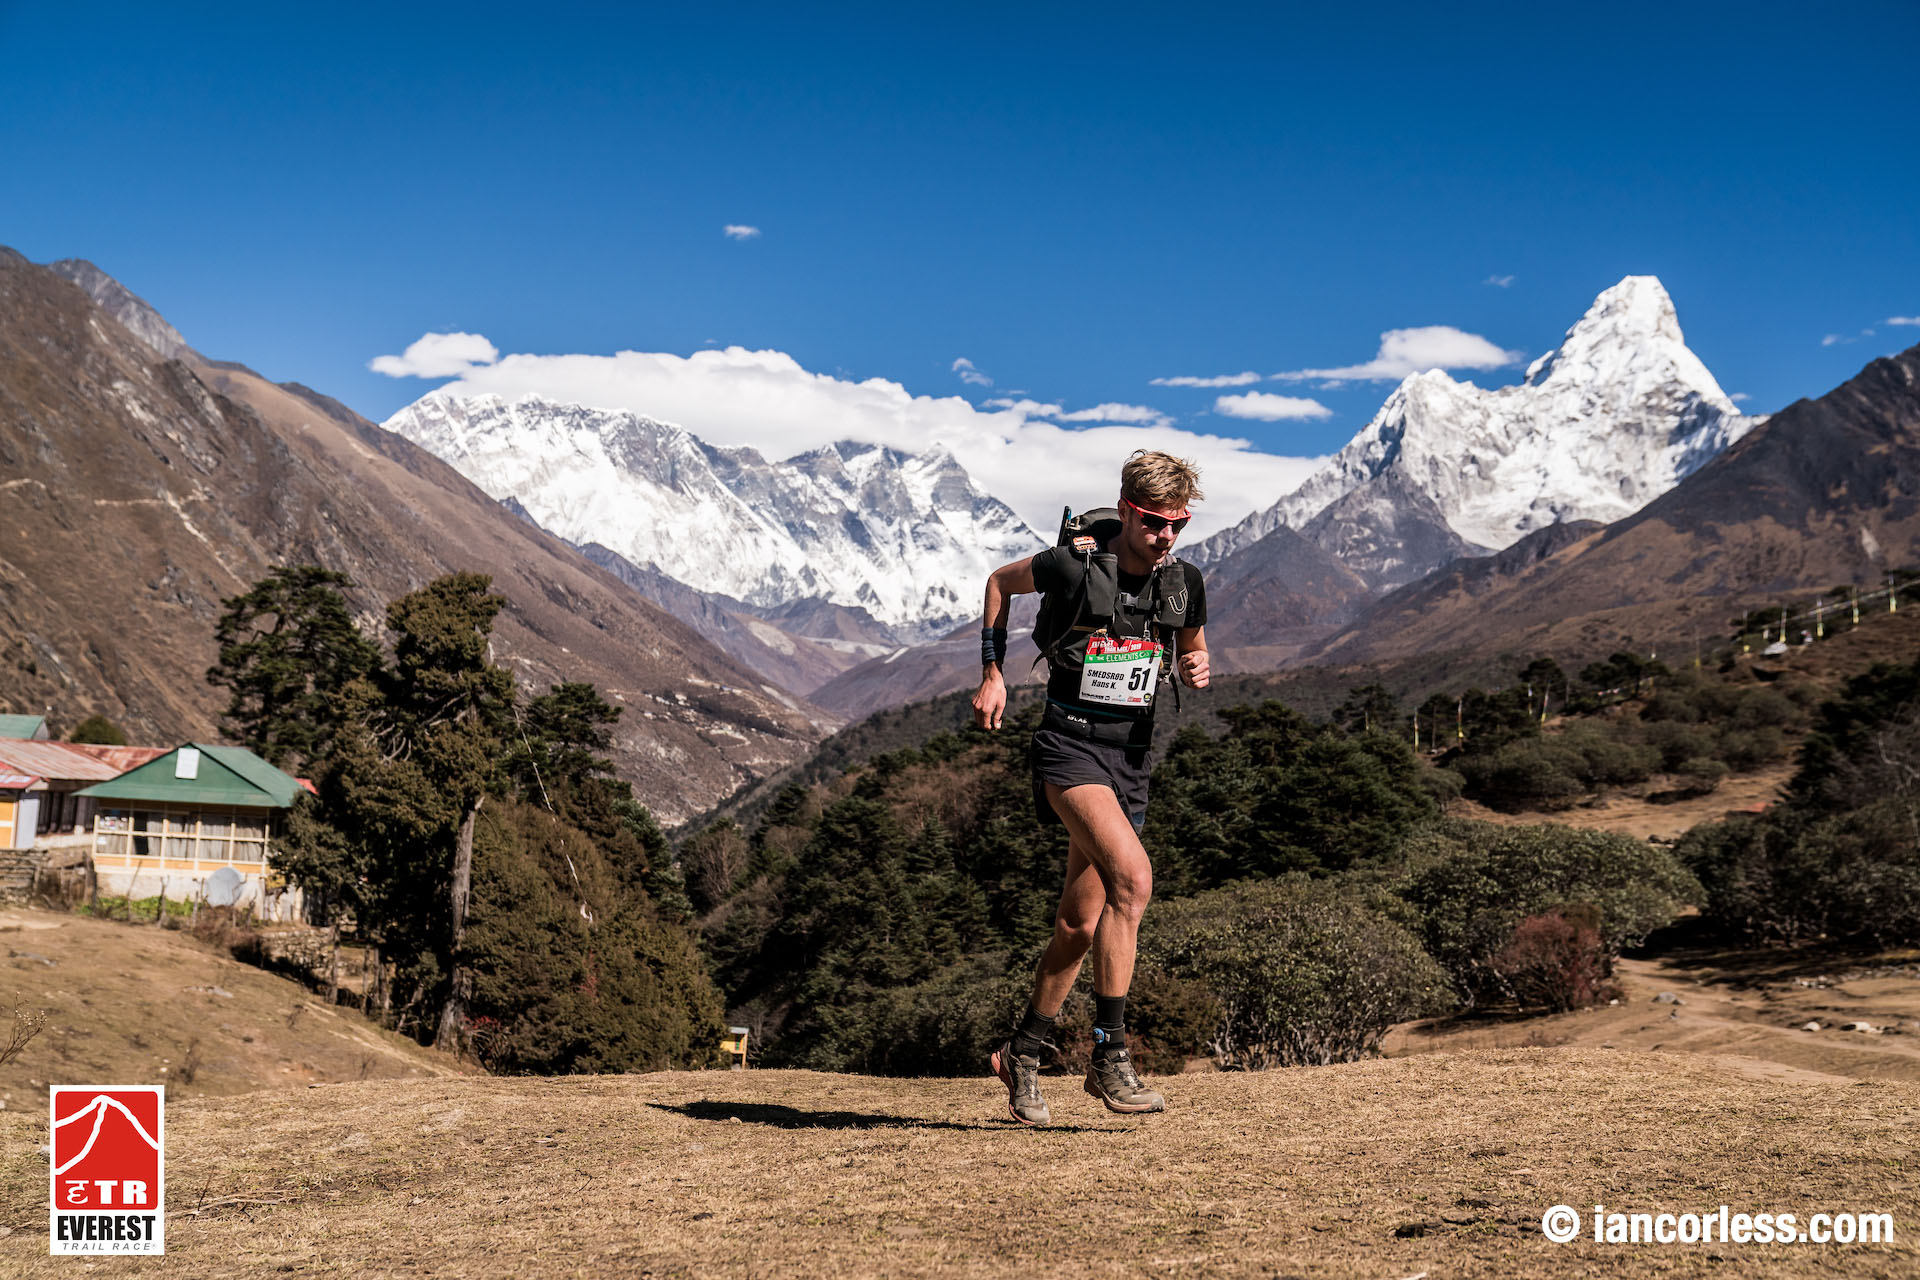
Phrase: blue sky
x=1078 y=200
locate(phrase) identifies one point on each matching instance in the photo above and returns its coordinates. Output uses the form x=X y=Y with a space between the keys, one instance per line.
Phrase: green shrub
x=1842 y=860
x=1673 y=705
x=1169 y=1020
x=99 y=730
x=1745 y=750
x=1609 y=760
x=1481 y=881
x=1303 y=972
x=1442 y=785
x=1279 y=793
x=1700 y=775
x=1678 y=742
x=1527 y=774
x=1759 y=708
x=941 y=1027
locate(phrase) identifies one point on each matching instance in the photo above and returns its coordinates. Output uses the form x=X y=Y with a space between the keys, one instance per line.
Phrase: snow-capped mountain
x=1617 y=415
x=908 y=538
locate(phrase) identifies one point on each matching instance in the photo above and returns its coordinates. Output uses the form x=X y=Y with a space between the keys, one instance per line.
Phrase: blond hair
x=1160 y=480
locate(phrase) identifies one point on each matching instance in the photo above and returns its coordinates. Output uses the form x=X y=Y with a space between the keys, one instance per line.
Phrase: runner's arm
x=1004 y=583
x=1191 y=643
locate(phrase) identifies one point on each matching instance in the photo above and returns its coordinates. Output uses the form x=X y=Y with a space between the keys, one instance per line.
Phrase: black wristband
x=993 y=646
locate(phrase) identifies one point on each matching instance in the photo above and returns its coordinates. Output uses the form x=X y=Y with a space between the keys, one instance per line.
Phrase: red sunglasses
x=1155 y=522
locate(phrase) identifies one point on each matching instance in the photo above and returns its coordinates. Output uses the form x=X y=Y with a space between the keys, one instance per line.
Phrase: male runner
x=1089 y=761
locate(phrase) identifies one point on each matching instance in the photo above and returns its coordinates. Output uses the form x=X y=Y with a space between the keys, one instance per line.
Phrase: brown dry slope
x=1440 y=1165
x=132 y=1004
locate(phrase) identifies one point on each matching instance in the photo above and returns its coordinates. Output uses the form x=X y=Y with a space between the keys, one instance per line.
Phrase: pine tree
x=288 y=650
x=450 y=704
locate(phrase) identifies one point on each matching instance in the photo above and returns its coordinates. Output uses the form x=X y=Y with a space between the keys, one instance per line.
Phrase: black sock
x=1031 y=1038
x=1109 y=1022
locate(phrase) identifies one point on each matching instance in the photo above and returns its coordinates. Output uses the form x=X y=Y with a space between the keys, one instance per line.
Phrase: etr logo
x=108 y=1174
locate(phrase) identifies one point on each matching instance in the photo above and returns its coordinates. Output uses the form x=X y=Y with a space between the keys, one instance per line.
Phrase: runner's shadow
x=794 y=1118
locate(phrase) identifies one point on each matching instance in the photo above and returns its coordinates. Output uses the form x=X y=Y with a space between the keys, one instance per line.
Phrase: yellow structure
x=734 y=1045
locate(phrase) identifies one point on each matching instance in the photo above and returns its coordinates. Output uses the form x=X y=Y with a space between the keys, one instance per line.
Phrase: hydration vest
x=1090 y=599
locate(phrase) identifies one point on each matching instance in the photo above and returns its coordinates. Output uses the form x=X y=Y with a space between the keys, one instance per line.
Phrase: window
x=180 y=835
x=146 y=827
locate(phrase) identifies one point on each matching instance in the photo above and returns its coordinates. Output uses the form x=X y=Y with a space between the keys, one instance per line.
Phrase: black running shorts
x=1071 y=762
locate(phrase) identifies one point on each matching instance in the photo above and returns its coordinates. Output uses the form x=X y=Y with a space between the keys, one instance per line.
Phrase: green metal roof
x=12 y=726
x=228 y=775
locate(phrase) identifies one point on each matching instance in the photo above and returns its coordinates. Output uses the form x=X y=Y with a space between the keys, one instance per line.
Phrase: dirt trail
x=1636 y=816
x=1747 y=1008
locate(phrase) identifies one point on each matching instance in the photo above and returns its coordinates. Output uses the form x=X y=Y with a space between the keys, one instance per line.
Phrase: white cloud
x=1027 y=408
x=1405 y=351
x=1903 y=320
x=437 y=355
x=1138 y=414
x=1264 y=406
x=1224 y=380
x=765 y=399
x=1834 y=340
x=740 y=231
x=969 y=374
x=1499 y=282
x=1739 y=397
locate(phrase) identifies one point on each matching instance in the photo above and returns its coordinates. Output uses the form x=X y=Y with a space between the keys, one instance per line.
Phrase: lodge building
x=173 y=821
x=142 y=821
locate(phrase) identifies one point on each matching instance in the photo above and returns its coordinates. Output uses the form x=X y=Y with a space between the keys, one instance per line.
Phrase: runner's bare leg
x=1074 y=926
x=1098 y=824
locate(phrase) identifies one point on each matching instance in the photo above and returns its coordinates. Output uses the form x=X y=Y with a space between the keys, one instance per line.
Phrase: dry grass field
x=133 y=1004
x=1439 y=1164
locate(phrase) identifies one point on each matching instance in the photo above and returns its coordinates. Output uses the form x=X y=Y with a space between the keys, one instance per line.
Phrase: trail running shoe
x=1022 y=1078
x=1112 y=1079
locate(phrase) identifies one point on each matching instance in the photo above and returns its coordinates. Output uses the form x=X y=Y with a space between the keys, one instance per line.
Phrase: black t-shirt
x=1063 y=682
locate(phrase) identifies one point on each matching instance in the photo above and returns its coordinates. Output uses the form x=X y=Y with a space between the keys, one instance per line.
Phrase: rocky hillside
x=141 y=490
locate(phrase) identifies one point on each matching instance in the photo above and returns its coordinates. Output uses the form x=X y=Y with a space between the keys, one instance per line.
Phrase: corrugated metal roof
x=120 y=758
x=12 y=726
x=55 y=761
x=227 y=776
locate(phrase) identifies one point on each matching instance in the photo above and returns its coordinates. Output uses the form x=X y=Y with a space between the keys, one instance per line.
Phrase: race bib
x=1120 y=672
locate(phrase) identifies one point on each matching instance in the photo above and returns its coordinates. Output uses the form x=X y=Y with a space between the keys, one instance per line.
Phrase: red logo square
x=107 y=1168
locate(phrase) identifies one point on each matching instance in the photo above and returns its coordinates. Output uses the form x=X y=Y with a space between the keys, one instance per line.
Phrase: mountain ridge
x=1616 y=414
x=858 y=525
x=1824 y=492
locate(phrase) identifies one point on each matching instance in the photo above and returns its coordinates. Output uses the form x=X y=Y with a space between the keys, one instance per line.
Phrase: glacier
x=909 y=538
x=1616 y=415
